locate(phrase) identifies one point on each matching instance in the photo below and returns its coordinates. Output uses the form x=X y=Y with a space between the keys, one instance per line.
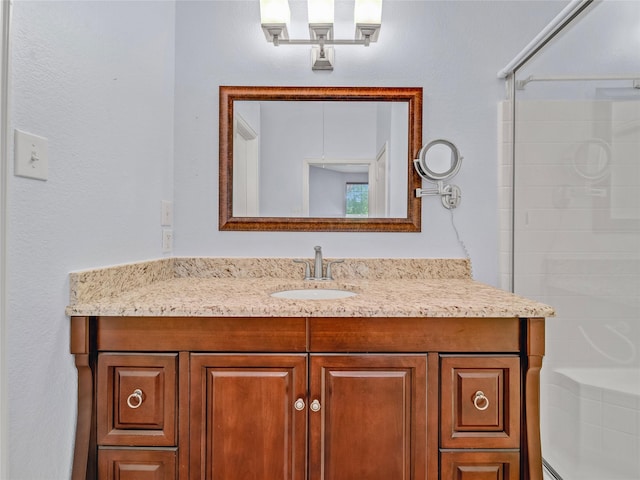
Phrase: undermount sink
x=313 y=294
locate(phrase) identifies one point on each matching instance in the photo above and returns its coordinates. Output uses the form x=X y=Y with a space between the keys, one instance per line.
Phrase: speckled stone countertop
x=240 y=287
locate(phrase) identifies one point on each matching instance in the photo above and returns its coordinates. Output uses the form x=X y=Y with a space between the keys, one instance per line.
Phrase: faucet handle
x=307 y=268
x=328 y=276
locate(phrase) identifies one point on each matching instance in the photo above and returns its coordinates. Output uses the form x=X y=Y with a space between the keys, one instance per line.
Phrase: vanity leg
x=84 y=461
x=532 y=447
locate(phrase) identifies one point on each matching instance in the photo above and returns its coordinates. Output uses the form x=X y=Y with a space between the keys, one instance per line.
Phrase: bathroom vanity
x=189 y=368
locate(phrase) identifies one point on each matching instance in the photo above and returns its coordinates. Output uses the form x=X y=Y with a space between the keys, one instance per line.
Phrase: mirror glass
x=308 y=152
x=318 y=158
x=438 y=160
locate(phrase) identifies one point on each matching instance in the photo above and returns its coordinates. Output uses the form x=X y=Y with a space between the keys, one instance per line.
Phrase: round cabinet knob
x=299 y=405
x=480 y=401
x=135 y=399
x=315 y=406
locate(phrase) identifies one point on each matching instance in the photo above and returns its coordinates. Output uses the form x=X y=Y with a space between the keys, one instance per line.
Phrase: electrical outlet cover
x=167 y=240
x=167 y=213
x=31 y=155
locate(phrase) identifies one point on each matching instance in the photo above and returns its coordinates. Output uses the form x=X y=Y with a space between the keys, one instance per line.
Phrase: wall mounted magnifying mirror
x=437 y=162
x=319 y=158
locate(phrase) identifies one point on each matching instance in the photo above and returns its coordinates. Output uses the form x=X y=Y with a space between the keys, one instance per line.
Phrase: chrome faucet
x=317 y=264
x=318 y=273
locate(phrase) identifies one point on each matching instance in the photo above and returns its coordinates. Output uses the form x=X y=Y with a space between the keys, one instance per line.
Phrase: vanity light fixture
x=275 y=15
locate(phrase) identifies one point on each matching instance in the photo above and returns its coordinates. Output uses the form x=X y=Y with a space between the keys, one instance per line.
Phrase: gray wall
x=97 y=79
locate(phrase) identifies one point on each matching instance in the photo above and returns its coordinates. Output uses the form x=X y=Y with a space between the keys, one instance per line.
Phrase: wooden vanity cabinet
x=316 y=398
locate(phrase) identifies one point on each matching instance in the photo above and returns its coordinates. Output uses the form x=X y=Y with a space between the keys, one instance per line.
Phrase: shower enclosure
x=570 y=176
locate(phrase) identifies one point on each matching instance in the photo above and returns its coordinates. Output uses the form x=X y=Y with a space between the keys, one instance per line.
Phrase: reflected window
x=357 y=199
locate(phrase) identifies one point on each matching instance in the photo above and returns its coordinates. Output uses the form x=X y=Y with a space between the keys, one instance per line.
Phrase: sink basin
x=313 y=294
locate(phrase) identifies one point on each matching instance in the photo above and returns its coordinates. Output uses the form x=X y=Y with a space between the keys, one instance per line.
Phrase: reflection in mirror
x=307 y=152
x=328 y=189
x=319 y=158
x=438 y=160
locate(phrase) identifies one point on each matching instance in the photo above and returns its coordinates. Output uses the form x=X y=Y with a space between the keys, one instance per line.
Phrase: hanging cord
x=464 y=247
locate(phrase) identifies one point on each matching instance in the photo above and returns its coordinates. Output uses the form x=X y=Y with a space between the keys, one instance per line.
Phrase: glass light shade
x=274 y=11
x=320 y=11
x=368 y=12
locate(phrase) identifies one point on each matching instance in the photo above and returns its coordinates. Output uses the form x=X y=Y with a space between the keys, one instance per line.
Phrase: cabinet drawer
x=136 y=399
x=479 y=401
x=479 y=466
x=373 y=334
x=116 y=464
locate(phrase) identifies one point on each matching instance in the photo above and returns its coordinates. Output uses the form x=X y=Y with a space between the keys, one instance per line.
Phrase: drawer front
x=115 y=464
x=373 y=334
x=201 y=334
x=480 y=402
x=137 y=399
x=479 y=466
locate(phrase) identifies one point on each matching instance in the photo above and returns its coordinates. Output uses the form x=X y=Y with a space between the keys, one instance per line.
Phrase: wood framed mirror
x=319 y=158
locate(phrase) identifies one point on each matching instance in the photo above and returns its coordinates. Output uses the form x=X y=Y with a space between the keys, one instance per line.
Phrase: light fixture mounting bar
x=320 y=34
x=318 y=42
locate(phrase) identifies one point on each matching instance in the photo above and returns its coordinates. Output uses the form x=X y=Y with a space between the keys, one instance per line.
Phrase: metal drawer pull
x=315 y=406
x=299 y=405
x=480 y=401
x=135 y=399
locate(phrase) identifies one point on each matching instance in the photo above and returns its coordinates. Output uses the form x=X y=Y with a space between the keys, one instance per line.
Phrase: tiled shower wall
x=577 y=223
x=505 y=192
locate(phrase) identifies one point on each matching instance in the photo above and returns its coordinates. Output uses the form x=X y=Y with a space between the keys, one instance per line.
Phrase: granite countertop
x=240 y=287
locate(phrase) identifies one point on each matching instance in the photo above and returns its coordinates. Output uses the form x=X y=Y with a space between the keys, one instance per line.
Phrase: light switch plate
x=31 y=155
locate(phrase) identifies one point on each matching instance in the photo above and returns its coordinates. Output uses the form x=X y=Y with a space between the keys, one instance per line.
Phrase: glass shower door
x=577 y=247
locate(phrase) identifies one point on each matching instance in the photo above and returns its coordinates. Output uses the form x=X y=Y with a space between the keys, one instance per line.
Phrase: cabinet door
x=367 y=417
x=246 y=421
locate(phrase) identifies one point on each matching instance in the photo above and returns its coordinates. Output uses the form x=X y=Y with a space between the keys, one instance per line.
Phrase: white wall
x=4 y=90
x=96 y=79
x=452 y=49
